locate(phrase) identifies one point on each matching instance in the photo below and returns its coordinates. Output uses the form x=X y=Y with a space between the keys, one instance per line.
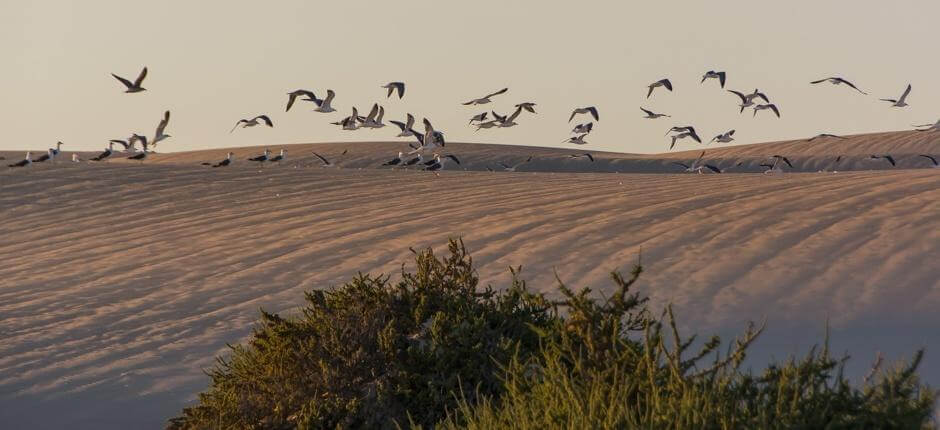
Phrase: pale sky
x=214 y=62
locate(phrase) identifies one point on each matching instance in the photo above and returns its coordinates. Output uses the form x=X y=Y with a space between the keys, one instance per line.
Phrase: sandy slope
x=120 y=283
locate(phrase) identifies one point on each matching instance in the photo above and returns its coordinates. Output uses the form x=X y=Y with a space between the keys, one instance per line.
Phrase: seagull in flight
x=406 y=127
x=514 y=166
x=652 y=115
x=159 y=135
x=529 y=106
x=887 y=157
x=133 y=87
x=835 y=80
x=485 y=99
x=511 y=119
x=683 y=135
x=932 y=160
x=586 y=154
x=935 y=126
x=488 y=124
x=395 y=86
x=747 y=100
x=713 y=74
x=696 y=166
x=324 y=105
x=684 y=129
x=590 y=109
x=824 y=135
x=297 y=93
x=723 y=138
x=430 y=140
x=374 y=119
x=577 y=140
x=583 y=128
x=659 y=83
x=776 y=167
x=478 y=117
x=901 y=102
x=770 y=106
x=253 y=122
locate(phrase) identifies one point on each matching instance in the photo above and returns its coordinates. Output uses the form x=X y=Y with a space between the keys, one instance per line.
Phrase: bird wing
x=650 y=92
x=290 y=101
x=515 y=114
x=906 y=92
x=411 y=120
x=680 y=164
x=713 y=168
x=589 y=156
x=761 y=96
x=453 y=157
x=649 y=113
x=400 y=86
x=497 y=93
x=400 y=125
x=667 y=84
x=773 y=107
x=329 y=97
x=373 y=113
x=890 y=160
x=852 y=85
x=932 y=159
x=820 y=81
x=739 y=94
x=236 y=124
x=140 y=78
x=265 y=119
x=163 y=123
x=731 y=133
x=721 y=78
x=126 y=83
x=593 y=111
x=122 y=142
x=573 y=113
x=325 y=162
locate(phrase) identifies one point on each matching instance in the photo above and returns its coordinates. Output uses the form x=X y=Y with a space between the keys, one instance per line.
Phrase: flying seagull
x=723 y=138
x=529 y=106
x=159 y=135
x=253 y=122
x=887 y=157
x=488 y=124
x=694 y=166
x=770 y=106
x=901 y=102
x=297 y=93
x=485 y=99
x=685 y=129
x=935 y=126
x=223 y=163
x=514 y=166
x=511 y=119
x=133 y=87
x=395 y=86
x=747 y=100
x=835 y=80
x=577 y=140
x=652 y=115
x=659 y=83
x=683 y=135
x=824 y=135
x=405 y=126
x=583 y=128
x=776 y=167
x=350 y=122
x=932 y=160
x=478 y=117
x=324 y=105
x=714 y=74
x=590 y=109
x=24 y=162
x=374 y=119
x=586 y=154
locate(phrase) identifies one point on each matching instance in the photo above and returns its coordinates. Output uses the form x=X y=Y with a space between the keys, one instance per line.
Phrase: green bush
x=433 y=350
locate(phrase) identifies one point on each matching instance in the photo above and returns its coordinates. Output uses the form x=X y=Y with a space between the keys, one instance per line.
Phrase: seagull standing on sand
x=439 y=162
x=590 y=109
x=770 y=106
x=253 y=122
x=223 y=163
x=107 y=153
x=394 y=162
x=261 y=158
x=485 y=99
x=747 y=100
x=406 y=127
x=279 y=158
x=297 y=93
x=835 y=80
x=414 y=161
x=514 y=166
x=723 y=138
x=395 y=86
x=660 y=83
x=901 y=102
x=49 y=155
x=24 y=162
x=652 y=115
x=133 y=87
x=713 y=74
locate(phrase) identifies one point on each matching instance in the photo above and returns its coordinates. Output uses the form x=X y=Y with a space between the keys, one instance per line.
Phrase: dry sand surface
x=119 y=283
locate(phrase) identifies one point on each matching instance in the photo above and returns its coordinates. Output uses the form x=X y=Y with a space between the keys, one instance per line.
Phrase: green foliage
x=433 y=350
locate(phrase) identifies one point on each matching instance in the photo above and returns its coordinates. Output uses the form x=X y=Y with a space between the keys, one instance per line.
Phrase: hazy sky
x=213 y=62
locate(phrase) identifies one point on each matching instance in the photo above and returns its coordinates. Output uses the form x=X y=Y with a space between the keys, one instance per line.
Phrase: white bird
x=660 y=83
x=583 y=128
x=278 y=158
x=713 y=74
x=652 y=115
x=253 y=122
x=75 y=158
x=395 y=86
x=723 y=138
x=485 y=99
x=901 y=102
x=770 y=106
x=297 y=93
x=133 y=87
x=577 y=140
x=747 y=100
x=835 y=80
x=159 y=135
x=324 y=105
x=24 y=162
x=590 y=109
x=512 y=168
x=374 y=119
x=406 y=127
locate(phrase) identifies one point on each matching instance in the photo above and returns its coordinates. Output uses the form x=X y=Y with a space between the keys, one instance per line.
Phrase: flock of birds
x=431 y=142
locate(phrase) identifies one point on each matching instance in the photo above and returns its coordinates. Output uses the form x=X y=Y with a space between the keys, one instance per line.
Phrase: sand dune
x=120 y=283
